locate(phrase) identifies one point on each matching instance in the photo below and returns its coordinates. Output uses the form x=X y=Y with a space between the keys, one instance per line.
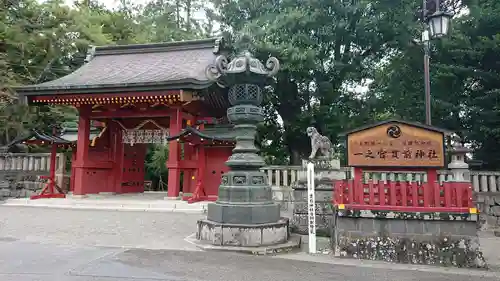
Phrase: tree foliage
x=344 y=63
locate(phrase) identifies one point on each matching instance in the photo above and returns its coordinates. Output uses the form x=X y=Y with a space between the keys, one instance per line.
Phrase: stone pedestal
x=244 y=217
x=326 y=171
x=243 y=235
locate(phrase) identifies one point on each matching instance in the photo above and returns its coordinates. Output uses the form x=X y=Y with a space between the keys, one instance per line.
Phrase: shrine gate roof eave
x=140 y=67
x=187 y=84
x=40 y=136
x=194 y=131
x=413 y=124
x=61 y=139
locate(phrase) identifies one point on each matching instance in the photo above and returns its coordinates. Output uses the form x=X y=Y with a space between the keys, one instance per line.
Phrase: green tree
x=464 y=80
x=325 y=48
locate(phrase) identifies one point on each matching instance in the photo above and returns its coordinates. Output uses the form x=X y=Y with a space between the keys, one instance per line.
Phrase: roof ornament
x=90 y=53
x=244 y=67
x=218 y=45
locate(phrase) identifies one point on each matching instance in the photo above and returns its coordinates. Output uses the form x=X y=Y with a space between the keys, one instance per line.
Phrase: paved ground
x=22 y=261
x=83 y=245
x=148 y=201
x=98 y=228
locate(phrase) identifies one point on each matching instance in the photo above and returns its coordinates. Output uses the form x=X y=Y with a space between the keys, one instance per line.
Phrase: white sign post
x=311 y=208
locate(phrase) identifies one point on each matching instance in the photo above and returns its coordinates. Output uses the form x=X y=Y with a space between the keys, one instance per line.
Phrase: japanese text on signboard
x=417 y=148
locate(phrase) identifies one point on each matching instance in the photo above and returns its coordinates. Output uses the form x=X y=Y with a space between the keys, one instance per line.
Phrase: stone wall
x=284 y=197
x=431 y=239
x=489 y=209
x=324 y=211
x=22 y=184
x=18 y=184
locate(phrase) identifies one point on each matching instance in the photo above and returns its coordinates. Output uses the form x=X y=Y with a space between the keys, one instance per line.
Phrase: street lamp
x=438 y=25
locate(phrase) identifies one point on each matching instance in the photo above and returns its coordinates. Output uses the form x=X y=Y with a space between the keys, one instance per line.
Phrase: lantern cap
x=244 y=68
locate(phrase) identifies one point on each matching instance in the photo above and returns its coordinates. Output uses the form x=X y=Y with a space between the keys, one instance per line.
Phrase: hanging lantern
x=439 y=24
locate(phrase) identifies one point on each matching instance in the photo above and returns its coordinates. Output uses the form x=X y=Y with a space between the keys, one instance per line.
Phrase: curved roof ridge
x=157 y=47
x=140 y=67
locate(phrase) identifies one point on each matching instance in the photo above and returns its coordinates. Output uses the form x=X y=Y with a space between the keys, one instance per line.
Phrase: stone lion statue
x=319 y=142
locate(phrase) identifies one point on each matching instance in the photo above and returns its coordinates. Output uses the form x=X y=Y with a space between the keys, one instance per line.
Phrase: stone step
x=112 y=204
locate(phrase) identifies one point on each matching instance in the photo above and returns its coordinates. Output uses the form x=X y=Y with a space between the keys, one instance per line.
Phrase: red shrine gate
x=164 y=97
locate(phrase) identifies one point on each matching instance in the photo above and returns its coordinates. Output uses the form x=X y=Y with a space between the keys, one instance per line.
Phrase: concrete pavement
x=145 y=202
x=25 y=261
x=68 y=245
x=98 y=227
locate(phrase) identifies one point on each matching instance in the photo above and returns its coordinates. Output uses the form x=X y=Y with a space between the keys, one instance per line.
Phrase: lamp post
x=437 y=26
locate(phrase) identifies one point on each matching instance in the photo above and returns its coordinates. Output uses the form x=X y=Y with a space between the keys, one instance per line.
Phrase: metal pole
x=427 y=81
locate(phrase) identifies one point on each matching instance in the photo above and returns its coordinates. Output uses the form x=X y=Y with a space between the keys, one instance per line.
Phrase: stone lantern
x=458 y=167
x=245 y=214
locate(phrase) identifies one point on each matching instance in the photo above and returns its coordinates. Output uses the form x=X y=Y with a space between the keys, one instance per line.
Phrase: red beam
x=183 y=164
x=47 y=196
x=132 y=113
x=407 y=209
x=108 y=95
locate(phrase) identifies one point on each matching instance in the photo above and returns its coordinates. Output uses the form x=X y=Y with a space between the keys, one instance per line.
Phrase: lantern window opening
x=439 y=24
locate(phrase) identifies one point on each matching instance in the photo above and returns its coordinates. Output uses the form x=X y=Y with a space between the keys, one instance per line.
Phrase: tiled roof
x=162 y=66
x=218 y=133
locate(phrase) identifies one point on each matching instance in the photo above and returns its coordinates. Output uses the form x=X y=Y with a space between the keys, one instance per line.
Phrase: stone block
x=300 y=224
x=346 y=224
x=260 y=194
x=232 y=236
x=323 y=195
x=239 y=194
x=495 y=210
x=457 y=228
x=398 y=227
x=243 y=235
x=432 y=227
x=365 y=225
x=274 y=235
x=244 y=214
x=4 y=192
x=414 y=227
x=208 y=232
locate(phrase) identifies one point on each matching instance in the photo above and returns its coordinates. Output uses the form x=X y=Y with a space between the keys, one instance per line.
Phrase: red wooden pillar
x=358 y=174
x=53 y=159
x=432 y=176
x=188 y=182
x=117 y=150
x=82 y=178
x=174 y=172
x=72 y=178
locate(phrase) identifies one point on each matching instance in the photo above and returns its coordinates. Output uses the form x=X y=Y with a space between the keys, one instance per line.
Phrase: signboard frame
x=397 y=122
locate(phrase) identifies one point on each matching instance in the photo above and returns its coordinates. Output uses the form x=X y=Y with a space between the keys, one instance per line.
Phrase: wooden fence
x=278 y=176
x=482 y=181
x=402 y=196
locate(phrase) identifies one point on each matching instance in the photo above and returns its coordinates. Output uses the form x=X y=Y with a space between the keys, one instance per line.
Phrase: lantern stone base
x=253 y=238
x=243 y=214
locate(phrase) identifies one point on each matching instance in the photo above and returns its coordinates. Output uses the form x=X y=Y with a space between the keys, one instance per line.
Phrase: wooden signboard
x=395 y=144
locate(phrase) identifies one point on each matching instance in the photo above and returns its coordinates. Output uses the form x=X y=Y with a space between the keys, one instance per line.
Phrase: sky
x=110 y=4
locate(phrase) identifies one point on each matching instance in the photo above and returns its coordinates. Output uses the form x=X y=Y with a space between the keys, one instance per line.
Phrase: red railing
x=401 y=196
